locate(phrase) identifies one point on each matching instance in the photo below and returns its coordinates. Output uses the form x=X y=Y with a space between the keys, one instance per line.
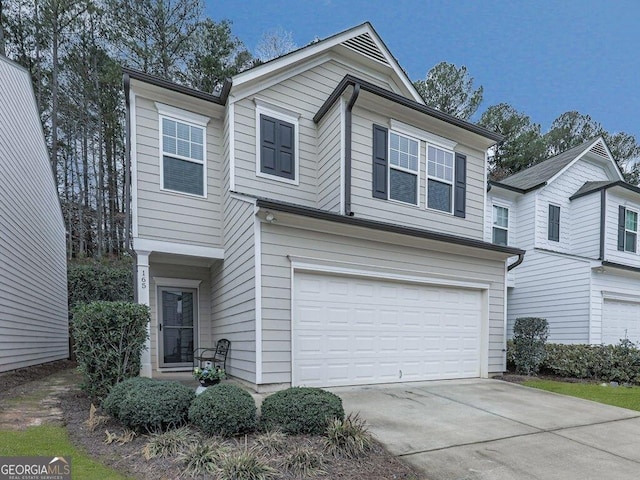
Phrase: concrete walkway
x=494 y=430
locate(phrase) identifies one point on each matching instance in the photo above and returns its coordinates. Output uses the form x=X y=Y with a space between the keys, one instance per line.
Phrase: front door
x=177 y=323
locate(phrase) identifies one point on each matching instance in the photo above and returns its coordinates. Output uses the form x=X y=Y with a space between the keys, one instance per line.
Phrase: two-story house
x=319 y=216
x=578 y=222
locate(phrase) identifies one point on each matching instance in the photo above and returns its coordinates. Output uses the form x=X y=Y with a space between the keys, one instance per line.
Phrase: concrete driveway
x=494 y=430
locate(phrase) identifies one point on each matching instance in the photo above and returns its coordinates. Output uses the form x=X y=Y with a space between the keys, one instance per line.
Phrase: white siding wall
x=558 y=193
x=329 y=159
x=555 y=287
x=33 y=270
x=366 y=206
x=612 y=254
x=279 y=241
x=613 y=283
x=169 y=216
x=526 y=213
x=233 y=290
x=181 y=272
x=585 y=217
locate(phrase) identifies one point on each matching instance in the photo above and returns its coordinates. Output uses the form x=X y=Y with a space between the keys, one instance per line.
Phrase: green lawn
x=625 y=397
x=50 y=440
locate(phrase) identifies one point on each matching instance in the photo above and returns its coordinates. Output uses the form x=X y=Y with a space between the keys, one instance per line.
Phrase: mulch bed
x=128 y=459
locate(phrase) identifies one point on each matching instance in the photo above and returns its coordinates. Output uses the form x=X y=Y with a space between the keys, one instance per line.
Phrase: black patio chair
x=217 y=356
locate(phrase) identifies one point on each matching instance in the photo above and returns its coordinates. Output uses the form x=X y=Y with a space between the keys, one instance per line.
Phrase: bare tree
x=274 y=43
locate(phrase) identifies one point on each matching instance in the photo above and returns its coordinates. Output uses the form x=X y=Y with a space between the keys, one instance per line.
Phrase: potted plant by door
x=209 y=375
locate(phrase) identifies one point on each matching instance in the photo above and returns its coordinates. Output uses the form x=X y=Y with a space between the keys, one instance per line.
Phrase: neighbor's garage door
x=620 y=320
x=353 y=331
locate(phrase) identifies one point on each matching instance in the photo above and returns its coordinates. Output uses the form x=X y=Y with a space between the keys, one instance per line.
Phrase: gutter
x=517 y=262
x=347 y=150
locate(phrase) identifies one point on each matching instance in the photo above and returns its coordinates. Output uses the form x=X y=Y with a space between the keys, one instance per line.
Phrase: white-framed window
x=277 y=138
x=440 y=175
x=630 y=231
x=500 y=234
x=404 y=168
x=183 y=151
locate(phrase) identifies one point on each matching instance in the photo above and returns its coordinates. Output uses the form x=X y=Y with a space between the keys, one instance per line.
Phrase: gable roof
x=362 y=39
x=592 y=187
x=539 y=175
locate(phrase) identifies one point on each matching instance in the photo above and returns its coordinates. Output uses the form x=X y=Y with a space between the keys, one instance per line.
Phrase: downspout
x=347 y=150
x=127 y=183
x=603 y=217
x=517 y=262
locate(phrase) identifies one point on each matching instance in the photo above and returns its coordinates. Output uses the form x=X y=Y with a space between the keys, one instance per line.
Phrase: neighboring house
x=578 y=221
x=317 y=214
x=34 y=325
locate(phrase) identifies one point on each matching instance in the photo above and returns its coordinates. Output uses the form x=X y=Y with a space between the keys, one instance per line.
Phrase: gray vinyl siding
x=233 y=290
x=558 y=193
x=555 y=287
x=364 y=205
x=585 y=217
x=303 y=94
x=34 y=324
x=329 y=160
x=170 y=216
x=279 y=241
x=612 y=254
x=188 y=272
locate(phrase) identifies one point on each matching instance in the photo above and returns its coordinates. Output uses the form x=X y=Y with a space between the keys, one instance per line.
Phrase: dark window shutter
x=380 y=161
x=277 y=147
x=621 y=227
x=554 y=223
x=460 y=191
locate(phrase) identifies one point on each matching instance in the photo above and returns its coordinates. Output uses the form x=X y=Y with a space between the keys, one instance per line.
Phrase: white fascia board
x=257 y=255
x=133 y=151
x=160 y=246
x=231 y=129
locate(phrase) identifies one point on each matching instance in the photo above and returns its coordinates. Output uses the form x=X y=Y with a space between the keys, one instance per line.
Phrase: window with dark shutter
x=630 y=229
x=277 y=147
x=380 y=162
x=621 y=225
x=460 y=192
x=554 y=223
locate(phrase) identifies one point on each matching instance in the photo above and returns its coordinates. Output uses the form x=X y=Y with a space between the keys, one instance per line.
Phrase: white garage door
x=355 y=331
x=620 y=320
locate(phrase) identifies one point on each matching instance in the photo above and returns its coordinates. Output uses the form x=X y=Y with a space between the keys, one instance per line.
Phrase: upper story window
x=404 y=161
x=554 y=223
x=500 y=233
x=277 y=143
x=439 y=179
x=396 y=168
x=627 y=230
x=183 y=151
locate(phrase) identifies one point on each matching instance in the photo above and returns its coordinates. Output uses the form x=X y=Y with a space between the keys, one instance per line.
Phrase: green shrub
x=529 y=337
x=224 y=409
x=611 y=363
x=155 y=406
x=109 y=338
x=111 y=404
x=93 y=280
x=301 y=410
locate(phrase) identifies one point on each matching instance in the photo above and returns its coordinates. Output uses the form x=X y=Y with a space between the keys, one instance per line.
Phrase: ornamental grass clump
x=348 y=438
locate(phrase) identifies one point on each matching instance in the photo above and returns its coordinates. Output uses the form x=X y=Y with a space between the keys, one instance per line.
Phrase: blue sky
x=543 y=57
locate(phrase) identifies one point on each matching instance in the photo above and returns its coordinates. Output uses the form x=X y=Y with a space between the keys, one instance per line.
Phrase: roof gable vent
x=599 y=149
x=365 y=45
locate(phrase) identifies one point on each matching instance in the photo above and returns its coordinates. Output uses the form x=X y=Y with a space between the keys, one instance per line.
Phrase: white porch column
x=142 y=282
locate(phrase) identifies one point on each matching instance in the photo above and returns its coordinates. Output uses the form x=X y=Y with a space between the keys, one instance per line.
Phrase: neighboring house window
x=277 y=143
x=403 y=168
x=554 y=223
x=500 y=225
x=183 y=151
x=439 y=179
x=627 y=230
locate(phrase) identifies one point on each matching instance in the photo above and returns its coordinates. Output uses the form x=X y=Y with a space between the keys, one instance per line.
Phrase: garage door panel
x=382 y=331
x=620 y=320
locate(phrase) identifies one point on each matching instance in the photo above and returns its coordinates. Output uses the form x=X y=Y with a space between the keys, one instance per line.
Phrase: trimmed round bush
x=155 y=405
x=301 y=410
x=224 y=409
x=111 y=404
